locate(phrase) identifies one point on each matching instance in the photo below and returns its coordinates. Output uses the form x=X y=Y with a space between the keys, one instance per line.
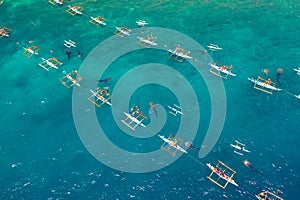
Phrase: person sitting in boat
x=224 y=67
x=268 y=82
x=263 y=196
x=105 y=90
x=134 y=109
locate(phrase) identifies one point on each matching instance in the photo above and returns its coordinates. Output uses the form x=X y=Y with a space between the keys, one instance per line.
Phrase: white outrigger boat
x=265 y=86
x=213 y=47
x=54 y=2
x=98 y=20
x=99 y=97
x=132 y=120
x=74 y=10
x=70 y=79
x=297 y=96
x=121 y=31
x=49 y=63
x=172 y=144
x=221 y=174
x=176 y=110
x=179 y=54
x=141 y=23
x=297 y=70
x=217 y=70
x=135 y=120
x=29 y=51
x=239 y=148
x=4 y=32
x=69 y=43
x=147 y=42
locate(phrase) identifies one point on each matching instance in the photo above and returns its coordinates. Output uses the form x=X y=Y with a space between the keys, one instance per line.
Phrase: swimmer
x=279 y=72
x=204 y=51
x=152 y=106
x=106 y=80
x=250 y=166
x=189 y=145
x=68 y=52
x=265 y=71
x=79 y=55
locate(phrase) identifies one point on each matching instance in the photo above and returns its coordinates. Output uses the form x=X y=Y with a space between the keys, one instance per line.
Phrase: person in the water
x=278 y=74
x=189 y=145
x=68 y=52
x=265 y=71
x=250 y=166
x=106 y=80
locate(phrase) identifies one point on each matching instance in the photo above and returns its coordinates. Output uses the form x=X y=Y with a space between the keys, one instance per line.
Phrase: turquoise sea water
x=41 y=154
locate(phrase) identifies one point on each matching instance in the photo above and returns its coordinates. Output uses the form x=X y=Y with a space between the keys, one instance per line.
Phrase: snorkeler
x=79 y=54
x=106 y=80
x=265 y=71
x=68 y=52
x=278 y=74
x=189 y=145
x=250 y=166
